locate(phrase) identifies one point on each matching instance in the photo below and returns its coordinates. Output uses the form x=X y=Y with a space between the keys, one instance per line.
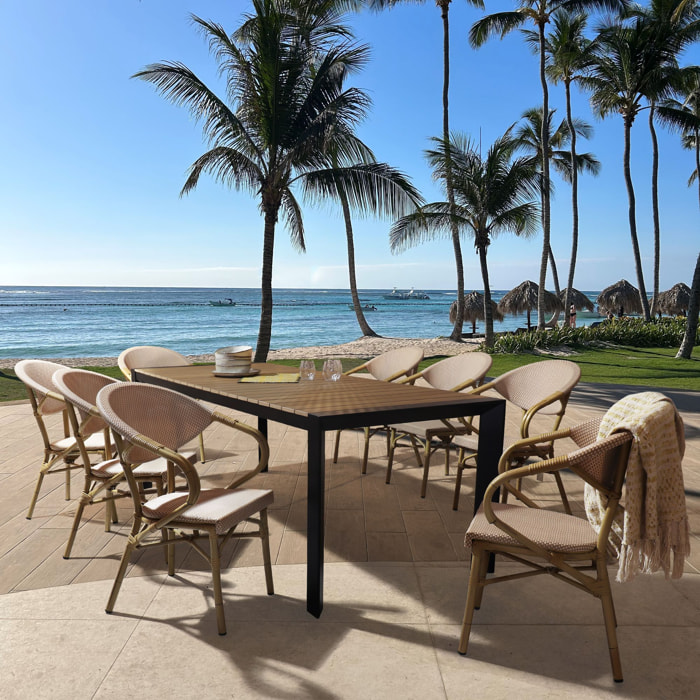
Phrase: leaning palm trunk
x=361 y=320
x=488 y=311
x=545 y=182
x=633 y=221
x=691 y=325
x=555 y=281
x=655 y=206
x=574 y=198
x=265 y=331
x=454 y=229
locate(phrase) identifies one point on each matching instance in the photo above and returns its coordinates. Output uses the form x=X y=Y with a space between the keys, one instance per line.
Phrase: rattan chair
x=390 y=366
x=79 y=388
x=144 y=356
x=60 y=453
x=149 y=422
x=549 y=542
x=538 y=389
x=459 y=373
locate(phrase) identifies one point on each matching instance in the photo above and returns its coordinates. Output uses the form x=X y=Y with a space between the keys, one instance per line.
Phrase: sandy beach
x=362 y=347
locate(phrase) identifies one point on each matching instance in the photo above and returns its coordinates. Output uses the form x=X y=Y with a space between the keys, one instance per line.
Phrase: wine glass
x=332 y=370
x=307 y=370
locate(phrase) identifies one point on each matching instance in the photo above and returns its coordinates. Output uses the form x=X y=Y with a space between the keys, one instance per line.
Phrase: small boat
x=223 y=302
x=364 y=307
x=406 y=296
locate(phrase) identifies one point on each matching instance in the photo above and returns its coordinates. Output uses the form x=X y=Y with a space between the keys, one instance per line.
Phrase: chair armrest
x=356 y=369
x=527 y=442
x=532 y=411
x=257 y=436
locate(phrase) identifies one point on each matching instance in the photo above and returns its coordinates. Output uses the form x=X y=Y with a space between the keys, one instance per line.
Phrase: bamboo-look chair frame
x=59 y=455
x=171 y=526
x=102 y=479
x=391 y=366
x=154 y=356
x=443 y=430
x=468 y=457
x=611 y=456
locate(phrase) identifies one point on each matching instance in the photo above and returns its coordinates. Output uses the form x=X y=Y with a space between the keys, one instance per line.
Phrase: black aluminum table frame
x=490 y=446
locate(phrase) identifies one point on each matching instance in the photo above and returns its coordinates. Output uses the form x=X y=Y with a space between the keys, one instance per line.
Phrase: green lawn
x=656 y=367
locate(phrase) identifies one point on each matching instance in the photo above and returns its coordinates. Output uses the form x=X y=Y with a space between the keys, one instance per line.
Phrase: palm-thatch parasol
x=474 y=309
x=578 y=299
x=620 y=298
x=674 y=301
x=524 y=298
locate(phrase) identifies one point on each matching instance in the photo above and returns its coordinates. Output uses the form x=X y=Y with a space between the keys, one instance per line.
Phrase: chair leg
x=336 y=445
x=265 y=537
x=446 y=445
x=562 y=493
x=37 y=488
x=426 y=467
x=471 y=599
x=67 y=497
x=414 y=445
x=130 y=546
x=610 y=622
x=76 y=523
x=390 y=454
x=216 y=581
x=201 y=448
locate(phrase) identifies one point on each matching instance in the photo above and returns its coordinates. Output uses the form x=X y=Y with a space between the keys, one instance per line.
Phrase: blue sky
x=93 y=162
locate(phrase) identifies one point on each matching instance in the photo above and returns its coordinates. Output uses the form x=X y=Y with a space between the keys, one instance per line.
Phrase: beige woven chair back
x=142 y=356
x=602 y=463
x=389 y=363
x=586 y=433
x=528 y=385
x=37 y=375
x=80 y=387
x=454 y=371
x=164 y=416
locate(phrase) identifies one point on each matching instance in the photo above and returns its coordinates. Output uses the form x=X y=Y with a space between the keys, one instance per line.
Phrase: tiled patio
x=395 y=585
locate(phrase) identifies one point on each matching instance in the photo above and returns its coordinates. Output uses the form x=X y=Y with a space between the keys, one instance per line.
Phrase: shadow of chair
x=145 y=356
x=538 y=389
x=150 y=422
x=458 y=373
x=390 y=366
x=549 y=542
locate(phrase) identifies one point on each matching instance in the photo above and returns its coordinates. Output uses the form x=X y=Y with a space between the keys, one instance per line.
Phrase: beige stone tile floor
x=395 y=585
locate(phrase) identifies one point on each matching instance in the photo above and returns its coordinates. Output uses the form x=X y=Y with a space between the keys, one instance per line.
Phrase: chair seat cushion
x=156 y=468
x=556 y=532
x=222 y=508
x=93 y=442
x=422 y=428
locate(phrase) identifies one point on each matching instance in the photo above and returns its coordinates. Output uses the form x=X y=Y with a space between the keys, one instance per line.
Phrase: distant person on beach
x=621 y=311
x=572 y=316
x=610 y=315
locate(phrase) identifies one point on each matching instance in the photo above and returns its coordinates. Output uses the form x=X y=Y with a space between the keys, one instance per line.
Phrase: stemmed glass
x=332 y=370
x=307 y=370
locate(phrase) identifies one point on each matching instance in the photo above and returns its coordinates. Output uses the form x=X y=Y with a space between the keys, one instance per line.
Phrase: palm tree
x=290 y=110
x=675 y=25
x=628 y=66
x=444 y=6
x=501 y=24
x=569 y=55
x=491 y=196
x=529 y=137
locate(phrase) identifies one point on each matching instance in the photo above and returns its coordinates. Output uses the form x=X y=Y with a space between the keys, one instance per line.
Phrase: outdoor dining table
x=318 y=406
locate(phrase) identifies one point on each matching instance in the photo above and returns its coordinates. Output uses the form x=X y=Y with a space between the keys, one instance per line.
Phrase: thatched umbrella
x=524 y=298
x=578 y=299
x=674 y=301
x=474 y=309
x=620 y=298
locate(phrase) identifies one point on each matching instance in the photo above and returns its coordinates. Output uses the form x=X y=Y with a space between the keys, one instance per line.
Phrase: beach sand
x=360 y=348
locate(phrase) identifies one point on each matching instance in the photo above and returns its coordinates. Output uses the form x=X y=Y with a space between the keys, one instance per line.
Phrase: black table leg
x=262 y=427
x=314 y=521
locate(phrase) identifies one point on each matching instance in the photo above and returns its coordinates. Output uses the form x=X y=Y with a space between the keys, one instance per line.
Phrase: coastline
x=360 y=348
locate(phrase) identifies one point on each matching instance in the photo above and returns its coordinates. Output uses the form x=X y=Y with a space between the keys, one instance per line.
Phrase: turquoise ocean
x=101 y=321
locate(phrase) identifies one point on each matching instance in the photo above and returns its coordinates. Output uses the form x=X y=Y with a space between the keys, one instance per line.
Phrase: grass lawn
x=655 y=367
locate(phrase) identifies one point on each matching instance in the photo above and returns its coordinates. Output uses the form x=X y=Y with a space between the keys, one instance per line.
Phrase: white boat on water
x=404 y=296
x=223 y=302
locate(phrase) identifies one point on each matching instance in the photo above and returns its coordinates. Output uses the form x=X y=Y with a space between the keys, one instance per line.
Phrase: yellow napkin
x=286 y=378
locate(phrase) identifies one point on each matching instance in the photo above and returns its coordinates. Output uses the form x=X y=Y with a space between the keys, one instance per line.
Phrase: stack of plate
x=234 y=360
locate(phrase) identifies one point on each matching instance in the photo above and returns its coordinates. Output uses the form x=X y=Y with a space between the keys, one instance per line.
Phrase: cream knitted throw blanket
x=653 y=524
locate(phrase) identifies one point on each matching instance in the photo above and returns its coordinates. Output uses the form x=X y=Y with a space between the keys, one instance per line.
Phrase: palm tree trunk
x=545 y=181
x=574 y=198
x=691 y=324
x=555 y=281
x=265 y=330
x=488 y=315
x=655 y=206
x=361 y=320
x=444 y=11
x=633 y=220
